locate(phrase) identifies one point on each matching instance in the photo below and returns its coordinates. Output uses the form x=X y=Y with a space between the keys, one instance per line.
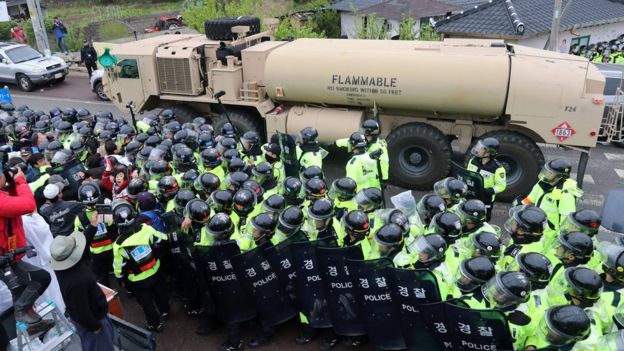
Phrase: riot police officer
x=561 y=327
x=390 y=243
x=354 y=230
x=309 y=152
x=342 y=191
x=493 y=173
x=361 y=167
x=289 y=222
x=471 y=275
x=428 y=206
x=136 y=262
x=535 y=266
x=320 y=220
x=452 y=190
x=556 y=194
x=292 y=190
x=448 y=225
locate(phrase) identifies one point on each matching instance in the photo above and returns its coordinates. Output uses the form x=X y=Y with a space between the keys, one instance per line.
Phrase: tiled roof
x=529 y=17
x=397 y=9
x=464 y=4
x=349 y=5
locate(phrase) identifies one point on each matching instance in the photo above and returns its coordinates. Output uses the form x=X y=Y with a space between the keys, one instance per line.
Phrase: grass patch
x=113 y=30
x=83 y=14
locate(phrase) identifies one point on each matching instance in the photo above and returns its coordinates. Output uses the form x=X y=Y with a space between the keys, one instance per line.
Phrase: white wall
x=597 y=33
x=348 y=25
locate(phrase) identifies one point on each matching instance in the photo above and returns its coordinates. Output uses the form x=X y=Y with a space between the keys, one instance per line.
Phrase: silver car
x=26 y=67
x=96 y=84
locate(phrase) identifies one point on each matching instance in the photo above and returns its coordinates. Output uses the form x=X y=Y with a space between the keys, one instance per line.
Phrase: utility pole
x=36 y=16
x=554 y=30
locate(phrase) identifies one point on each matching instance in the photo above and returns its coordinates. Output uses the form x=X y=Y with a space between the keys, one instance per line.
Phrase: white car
x=26 y=67
x=96 y=84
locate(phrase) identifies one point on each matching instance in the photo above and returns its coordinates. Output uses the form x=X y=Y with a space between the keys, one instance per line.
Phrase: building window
x=578 y=41
x=128 y=68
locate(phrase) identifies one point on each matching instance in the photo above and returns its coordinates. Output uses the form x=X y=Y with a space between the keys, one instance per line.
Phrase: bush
x=5 y=29
x=286 y=30
x=196 y=15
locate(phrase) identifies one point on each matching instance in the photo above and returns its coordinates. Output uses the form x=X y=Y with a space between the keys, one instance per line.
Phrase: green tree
x=428 y=33
x=196 y=15
x=406 y=29
x=328 y=22
x=370 y=27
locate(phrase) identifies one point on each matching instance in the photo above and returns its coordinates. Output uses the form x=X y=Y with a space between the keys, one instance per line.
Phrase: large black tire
x=221 y=28
x=99 y=91
x=242 y=120
x=24 y=83
x=183 y=113
x=420 y=156
x=522 y=159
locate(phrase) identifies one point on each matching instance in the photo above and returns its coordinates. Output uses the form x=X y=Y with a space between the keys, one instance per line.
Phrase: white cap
x=51 y=191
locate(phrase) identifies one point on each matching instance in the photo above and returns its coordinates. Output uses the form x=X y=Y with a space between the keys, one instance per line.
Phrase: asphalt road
x=605 y=171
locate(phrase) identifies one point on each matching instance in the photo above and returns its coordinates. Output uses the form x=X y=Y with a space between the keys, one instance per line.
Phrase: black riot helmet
x=370 y=127
x=485 y=244
x=188 y=179
x=536 y=266
x=84 y=115
x=474 y=272
x=263 y=173
x=526 y=224
x=312 y=172
x=69 y=114
x=221 y=201
x=181 y=199
x=159 y=169
x=255 y=187
x=564 y=325
x=166 y=116
x=357 y=142
x=399 y=218
x=210 y=158
x=226 y=144
x=574 y=247
x=205 y=140
x=428 y=206
x=136 y=186
x=234 y=181
x=52 y=148
x=236 y=165
x=452 y=190
x=183 y=159
x=167 y=188
x=356 y=224
x=507 y=289
x=292 y=190
x=244 y=202
x=63 y=127
x=220 y=227
x=447 y=224
x=580 y=283
x=262 y=226
x=471 y=212
x=89 y=194
x=227 y=130
x=123 y=213
x=274 y=204
x=320 y=213
x=308 y=135
x=342 y=189
x=369 y=199
x=153 y=141
x=206 y=183
x=315 y=188
x=487 y=147
x=133 y=148
x=584 y=221
x=197 y=211
x=290 y=220
x=554 y=171
x=250 y=139
x=389 y=238
x=428 y=249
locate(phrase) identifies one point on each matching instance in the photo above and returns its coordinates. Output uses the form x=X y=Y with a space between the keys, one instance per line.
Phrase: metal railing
x=612 y=126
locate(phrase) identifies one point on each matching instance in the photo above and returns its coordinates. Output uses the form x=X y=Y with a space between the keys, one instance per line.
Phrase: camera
x=104 y=209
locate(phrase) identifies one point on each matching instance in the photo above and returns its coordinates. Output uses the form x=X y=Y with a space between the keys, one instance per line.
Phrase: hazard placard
x=563 y=131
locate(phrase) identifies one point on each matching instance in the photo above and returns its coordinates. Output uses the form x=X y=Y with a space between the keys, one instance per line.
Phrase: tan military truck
x=425 y=94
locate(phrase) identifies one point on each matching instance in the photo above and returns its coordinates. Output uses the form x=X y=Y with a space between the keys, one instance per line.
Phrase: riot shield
x=308 y=284
x=232 y=301
x=410 y=289
x=473 y=179
x=281 y=260
x=339 y=289
x=69 y=172
x=261 y=282
x=612 y=218
x=375 y=300
x=289 y=154
x=457 y=328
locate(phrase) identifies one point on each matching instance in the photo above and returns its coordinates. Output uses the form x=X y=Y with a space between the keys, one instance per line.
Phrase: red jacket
x=119 y=191
x=13 y=205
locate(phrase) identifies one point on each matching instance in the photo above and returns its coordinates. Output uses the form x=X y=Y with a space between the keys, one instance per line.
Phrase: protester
x=86 y=303
x=19 y=35
x=60 y=32
x=59 y=214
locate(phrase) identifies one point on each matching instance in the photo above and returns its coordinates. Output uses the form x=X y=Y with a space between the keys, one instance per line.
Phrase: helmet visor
x=479 y=149
x=425 y=253
x=495 y=292
x=552 y=335
x=465 y=281
x=365 y=203
x=548 y=176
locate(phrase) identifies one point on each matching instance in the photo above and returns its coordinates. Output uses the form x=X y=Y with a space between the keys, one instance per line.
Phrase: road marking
x=614 y=157
x=620 y=172
x=590 y=199
x=62 y=99
x=587 y=178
